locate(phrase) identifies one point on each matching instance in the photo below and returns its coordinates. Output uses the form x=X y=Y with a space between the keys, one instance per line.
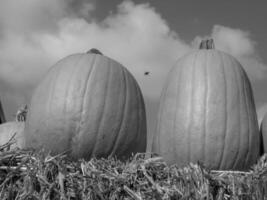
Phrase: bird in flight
x=146 y=73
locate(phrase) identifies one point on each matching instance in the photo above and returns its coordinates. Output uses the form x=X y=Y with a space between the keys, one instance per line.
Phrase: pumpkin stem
x=95 y=51
x=207 y=44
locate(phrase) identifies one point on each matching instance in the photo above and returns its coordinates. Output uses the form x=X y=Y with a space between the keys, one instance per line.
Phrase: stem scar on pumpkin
x=94 y=51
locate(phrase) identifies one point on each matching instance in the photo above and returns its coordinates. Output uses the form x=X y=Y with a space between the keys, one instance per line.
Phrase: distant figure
x=146 y=73
x=21 y=113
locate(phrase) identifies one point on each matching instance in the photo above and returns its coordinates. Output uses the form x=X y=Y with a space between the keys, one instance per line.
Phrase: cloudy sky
x=142 y=35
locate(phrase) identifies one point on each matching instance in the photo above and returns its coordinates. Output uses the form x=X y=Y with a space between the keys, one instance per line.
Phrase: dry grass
x=36 y=175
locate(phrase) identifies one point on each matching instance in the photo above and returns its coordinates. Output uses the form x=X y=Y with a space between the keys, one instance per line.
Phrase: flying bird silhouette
x=146 y=73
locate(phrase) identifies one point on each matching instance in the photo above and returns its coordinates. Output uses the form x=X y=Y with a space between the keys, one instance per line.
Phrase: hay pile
x=25 y=174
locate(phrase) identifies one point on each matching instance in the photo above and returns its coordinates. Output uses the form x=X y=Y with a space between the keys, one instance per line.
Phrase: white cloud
x=39 y=15
x=21 y=60
x=235 y=41
x=85 y=9
x=31 y=15
x=136 y=36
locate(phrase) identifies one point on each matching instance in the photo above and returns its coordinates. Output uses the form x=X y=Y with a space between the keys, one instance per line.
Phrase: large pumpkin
x=12 y=131
x=207 y=112
x=88 y=105
x=2 y=114
x=263 y=133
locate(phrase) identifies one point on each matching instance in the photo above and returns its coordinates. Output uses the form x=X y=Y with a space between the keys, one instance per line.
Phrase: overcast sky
x=141 y=35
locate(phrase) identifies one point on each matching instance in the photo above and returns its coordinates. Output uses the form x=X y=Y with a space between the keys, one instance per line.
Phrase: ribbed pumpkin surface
x=207 y=113
x=263 y=132
x=89 y=105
